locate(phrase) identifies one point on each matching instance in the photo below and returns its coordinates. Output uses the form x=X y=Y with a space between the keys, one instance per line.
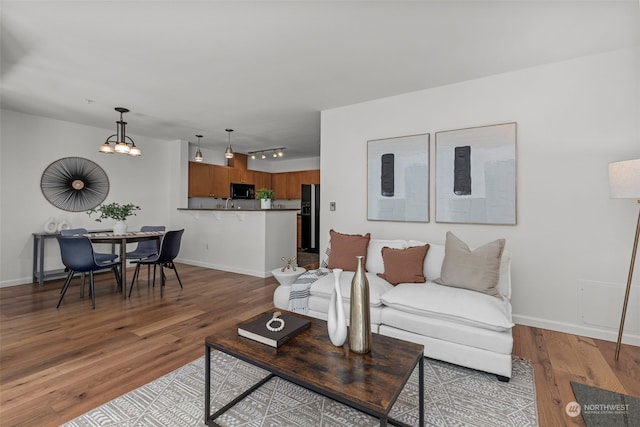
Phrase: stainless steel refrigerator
x=310 y=216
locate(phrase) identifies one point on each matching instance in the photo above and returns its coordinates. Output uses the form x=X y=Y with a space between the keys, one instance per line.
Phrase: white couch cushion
x=375 y=263
x=455 y=304
x=323 y=287
x=445 y=330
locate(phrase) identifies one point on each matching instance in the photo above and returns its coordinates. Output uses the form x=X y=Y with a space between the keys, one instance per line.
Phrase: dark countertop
x=238 y=209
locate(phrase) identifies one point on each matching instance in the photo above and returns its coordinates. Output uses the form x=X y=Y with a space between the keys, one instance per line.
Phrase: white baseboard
x=16 y=282
x=230 y=269
x=585 y=331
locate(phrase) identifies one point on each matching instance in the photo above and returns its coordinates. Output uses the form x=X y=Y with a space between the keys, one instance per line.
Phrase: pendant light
x=199 y=156
x=228 y=153
x=123 y=143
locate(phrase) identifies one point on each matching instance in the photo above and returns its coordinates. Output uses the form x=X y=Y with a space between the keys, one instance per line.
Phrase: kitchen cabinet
x=294 y=180
x=236 y=175
x=279 y=184
x=207 y=180
x=262 y=180
x=220 y=181
x=286 y=185
x=238 y=172
x=200 y=180
x=310 y=176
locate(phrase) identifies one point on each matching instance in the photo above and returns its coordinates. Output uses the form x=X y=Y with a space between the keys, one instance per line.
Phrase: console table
x=39 y=273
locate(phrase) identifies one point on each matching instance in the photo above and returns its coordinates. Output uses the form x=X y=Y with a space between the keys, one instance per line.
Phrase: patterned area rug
x=454 y=396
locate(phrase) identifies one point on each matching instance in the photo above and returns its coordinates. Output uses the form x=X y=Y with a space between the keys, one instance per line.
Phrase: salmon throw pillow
x=404 y=265
x=345 y=248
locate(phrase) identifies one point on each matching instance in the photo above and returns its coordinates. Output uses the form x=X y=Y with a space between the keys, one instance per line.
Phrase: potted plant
x=265 y=196
x=117 y=212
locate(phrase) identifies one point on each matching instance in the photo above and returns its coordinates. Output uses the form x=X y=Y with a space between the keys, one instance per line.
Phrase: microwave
x=242 y=191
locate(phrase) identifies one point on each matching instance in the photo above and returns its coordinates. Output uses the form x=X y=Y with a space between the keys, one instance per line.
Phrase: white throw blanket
x=299 y=295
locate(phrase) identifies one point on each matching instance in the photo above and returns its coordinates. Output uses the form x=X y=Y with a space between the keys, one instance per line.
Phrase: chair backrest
x=73 y=231
x=170 y=246
x=150 y=246
x=77 y=253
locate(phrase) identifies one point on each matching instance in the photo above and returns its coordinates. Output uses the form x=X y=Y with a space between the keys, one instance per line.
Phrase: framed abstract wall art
x=476 y=175
x=398 y=179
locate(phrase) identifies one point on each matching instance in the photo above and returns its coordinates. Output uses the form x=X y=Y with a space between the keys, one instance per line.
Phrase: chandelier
x=123 y=143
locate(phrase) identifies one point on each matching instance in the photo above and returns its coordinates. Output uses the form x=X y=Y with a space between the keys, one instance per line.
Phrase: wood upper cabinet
x=310 y=176
x=207 y=180
x=236 y=175
x=279 y=185
x=262 y=180
x=200 y=180
x=220 y=181
x=238 y=172
x=286 y=185
x=294 y=180
x=239 y=161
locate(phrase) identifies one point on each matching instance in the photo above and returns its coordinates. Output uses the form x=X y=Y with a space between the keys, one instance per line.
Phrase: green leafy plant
x=114 y=211
x=264 y=193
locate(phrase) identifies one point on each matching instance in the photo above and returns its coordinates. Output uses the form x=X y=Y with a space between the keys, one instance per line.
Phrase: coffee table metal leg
x=207 y=382
x=209 y=419
x=421 y=391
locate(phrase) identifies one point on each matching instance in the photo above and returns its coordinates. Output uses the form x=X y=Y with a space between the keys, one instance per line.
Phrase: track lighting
x=277 y=152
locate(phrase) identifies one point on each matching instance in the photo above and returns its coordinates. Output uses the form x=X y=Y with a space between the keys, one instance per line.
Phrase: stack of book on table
x=256 y=329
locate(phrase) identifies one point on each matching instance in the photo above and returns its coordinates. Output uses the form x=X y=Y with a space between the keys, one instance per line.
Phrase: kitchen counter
x=246 y=241
x=238 y=209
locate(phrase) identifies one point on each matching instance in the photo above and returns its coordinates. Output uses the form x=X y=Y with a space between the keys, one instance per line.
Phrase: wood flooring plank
x=56 y=364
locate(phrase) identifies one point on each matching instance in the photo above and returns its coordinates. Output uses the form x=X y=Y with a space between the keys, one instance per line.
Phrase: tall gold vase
x=360 y=314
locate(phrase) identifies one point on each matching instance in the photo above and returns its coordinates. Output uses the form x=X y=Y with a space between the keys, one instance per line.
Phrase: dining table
x=122 y=240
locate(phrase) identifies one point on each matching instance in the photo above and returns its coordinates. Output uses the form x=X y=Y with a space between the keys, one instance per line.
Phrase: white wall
x=28 y=144
x=571 y=246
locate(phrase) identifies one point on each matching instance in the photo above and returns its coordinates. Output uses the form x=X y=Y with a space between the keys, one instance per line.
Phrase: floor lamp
x=624 y=180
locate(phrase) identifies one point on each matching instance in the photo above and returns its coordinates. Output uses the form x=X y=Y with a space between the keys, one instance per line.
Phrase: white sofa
x=456 y=325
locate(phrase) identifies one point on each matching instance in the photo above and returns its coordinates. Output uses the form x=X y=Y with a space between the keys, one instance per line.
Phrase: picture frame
x=398 y=179
x=476 y=175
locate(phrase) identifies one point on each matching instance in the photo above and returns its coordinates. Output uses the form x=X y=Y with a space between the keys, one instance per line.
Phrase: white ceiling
x=267 y=68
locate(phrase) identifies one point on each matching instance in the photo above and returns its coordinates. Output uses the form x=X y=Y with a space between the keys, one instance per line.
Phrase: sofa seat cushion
x=323 y=287
x=449 y=303
x=446 y=330
x=321 y=305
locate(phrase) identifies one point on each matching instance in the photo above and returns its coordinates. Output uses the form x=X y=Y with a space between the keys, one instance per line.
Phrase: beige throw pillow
x=477 y=270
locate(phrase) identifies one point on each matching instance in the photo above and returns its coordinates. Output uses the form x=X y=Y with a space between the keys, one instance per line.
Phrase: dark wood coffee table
x=370 y=383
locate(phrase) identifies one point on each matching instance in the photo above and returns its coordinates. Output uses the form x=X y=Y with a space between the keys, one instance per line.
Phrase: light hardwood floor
x=56 y=364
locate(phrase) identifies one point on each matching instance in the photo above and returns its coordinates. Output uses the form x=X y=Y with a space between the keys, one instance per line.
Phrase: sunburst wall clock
x=74 y=184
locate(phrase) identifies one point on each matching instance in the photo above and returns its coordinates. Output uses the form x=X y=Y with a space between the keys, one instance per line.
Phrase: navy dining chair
x=146 y=248
x=78 y=257
x=169 y=249
x=100 y=257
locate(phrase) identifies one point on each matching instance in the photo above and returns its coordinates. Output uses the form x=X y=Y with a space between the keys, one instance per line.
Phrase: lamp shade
x=624 y=179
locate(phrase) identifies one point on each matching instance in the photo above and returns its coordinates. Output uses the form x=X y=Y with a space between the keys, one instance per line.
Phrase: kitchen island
x=245 y=241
